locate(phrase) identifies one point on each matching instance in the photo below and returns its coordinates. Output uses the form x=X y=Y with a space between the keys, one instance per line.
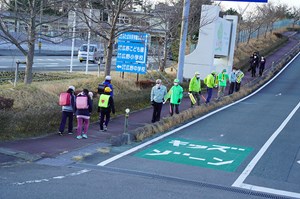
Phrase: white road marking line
x=134 y=149
x=193 y=158
x=265 y=147
x=53 y=178
x=240 y=180
x=218 y=159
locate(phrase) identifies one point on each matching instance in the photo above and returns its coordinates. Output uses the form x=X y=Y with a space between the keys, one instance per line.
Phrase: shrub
x=6 y=103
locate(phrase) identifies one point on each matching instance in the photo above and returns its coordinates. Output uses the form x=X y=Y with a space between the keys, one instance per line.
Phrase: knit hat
x=224 y=71
x=108 y=77
x=72 y=87
x=176 y=80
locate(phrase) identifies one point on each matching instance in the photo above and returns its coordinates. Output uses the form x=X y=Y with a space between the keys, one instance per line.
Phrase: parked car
x=95 y=53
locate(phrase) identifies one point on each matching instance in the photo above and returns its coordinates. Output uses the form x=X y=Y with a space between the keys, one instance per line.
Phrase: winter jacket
x=157 y=94
x=87 y=111
x=175 y=94
x=209 y=81
x=222 y=79
x=232 y=77
x=195 y=85
x=239 y=76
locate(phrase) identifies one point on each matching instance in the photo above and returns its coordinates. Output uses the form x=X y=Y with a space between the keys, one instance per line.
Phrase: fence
x=244 y=34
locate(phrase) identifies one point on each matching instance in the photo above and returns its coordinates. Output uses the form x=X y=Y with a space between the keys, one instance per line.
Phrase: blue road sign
x=132 y=52
x=254 y=1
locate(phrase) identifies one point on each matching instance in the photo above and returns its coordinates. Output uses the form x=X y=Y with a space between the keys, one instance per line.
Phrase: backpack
x=101 y=88
x=82 y=102
x=64 y=99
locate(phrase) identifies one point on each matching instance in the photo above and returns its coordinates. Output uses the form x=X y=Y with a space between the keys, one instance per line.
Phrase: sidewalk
x=52 y=146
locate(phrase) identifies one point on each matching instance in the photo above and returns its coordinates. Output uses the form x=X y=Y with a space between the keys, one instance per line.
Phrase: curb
x=20 y=154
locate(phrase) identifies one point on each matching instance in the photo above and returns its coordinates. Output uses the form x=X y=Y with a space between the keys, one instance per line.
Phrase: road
x=55 y=63
x=249 y=149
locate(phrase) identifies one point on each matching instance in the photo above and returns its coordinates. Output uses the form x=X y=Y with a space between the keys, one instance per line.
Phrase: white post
x=88 y=47
x=73 y=41
x=184 y=29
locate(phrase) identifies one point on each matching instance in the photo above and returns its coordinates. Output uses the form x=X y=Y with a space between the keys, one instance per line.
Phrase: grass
x=36 y=112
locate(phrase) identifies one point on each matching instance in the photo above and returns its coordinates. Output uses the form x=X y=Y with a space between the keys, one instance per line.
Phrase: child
x=105 y=107
x=84 y=107
x=67 y=113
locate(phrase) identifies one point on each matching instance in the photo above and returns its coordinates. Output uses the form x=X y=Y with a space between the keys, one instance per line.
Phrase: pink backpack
x=64 y=99
x=82 y=102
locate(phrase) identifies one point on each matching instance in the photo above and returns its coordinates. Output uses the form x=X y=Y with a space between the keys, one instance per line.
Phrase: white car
x=95 y=53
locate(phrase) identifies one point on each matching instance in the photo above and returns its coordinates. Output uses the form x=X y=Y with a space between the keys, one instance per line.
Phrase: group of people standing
x=82 y=113
x=159 y=94
x=81 y=105
x=257 y=62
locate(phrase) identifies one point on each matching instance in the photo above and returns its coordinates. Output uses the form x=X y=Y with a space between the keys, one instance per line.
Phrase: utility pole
x=40 y=27
x=16 y=17
x=183 y=36
x=88 y=44
x=73 y=40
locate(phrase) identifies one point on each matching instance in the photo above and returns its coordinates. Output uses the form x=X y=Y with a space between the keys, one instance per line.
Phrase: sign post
x=132 y=52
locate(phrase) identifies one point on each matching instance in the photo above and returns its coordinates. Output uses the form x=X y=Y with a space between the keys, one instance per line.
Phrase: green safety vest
x=103 y=101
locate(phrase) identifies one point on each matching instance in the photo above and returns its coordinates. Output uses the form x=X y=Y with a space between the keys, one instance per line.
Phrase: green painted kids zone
x=203 y=154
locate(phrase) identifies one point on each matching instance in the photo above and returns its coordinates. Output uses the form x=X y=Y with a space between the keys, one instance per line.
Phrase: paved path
x=54 y=145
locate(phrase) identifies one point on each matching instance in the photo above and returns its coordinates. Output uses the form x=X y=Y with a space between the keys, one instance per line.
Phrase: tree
x=28 y=14
x=272 y=13
x=294 y=14
x=194 y=23
x=110 y=18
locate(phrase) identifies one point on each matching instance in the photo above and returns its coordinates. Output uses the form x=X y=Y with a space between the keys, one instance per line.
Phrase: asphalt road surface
x=249 y=149
x=56 y=63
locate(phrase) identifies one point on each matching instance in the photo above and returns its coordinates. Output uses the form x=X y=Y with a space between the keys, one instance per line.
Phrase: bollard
x=127 y=111
x=16 y=71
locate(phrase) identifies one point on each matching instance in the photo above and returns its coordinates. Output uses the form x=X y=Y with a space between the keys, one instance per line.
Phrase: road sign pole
x=73 y=42
x=184 y=28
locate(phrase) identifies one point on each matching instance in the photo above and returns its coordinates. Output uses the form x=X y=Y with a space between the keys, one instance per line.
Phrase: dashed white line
x=53 y=178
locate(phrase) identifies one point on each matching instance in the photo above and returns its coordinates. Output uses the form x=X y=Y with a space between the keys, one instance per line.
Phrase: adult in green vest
x=175 y=94
x=210 y=81
x=105 y=107
x=195 y=88
x=222 y=79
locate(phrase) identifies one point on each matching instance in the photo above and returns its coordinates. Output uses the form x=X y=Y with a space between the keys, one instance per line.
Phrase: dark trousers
x=104 y=117
x=156 y=111
x=209 y=94
x=261 y=70
x=66 y=115
x=172 y=106
x=237 y=87
x=253 y=69
x=231 y=88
